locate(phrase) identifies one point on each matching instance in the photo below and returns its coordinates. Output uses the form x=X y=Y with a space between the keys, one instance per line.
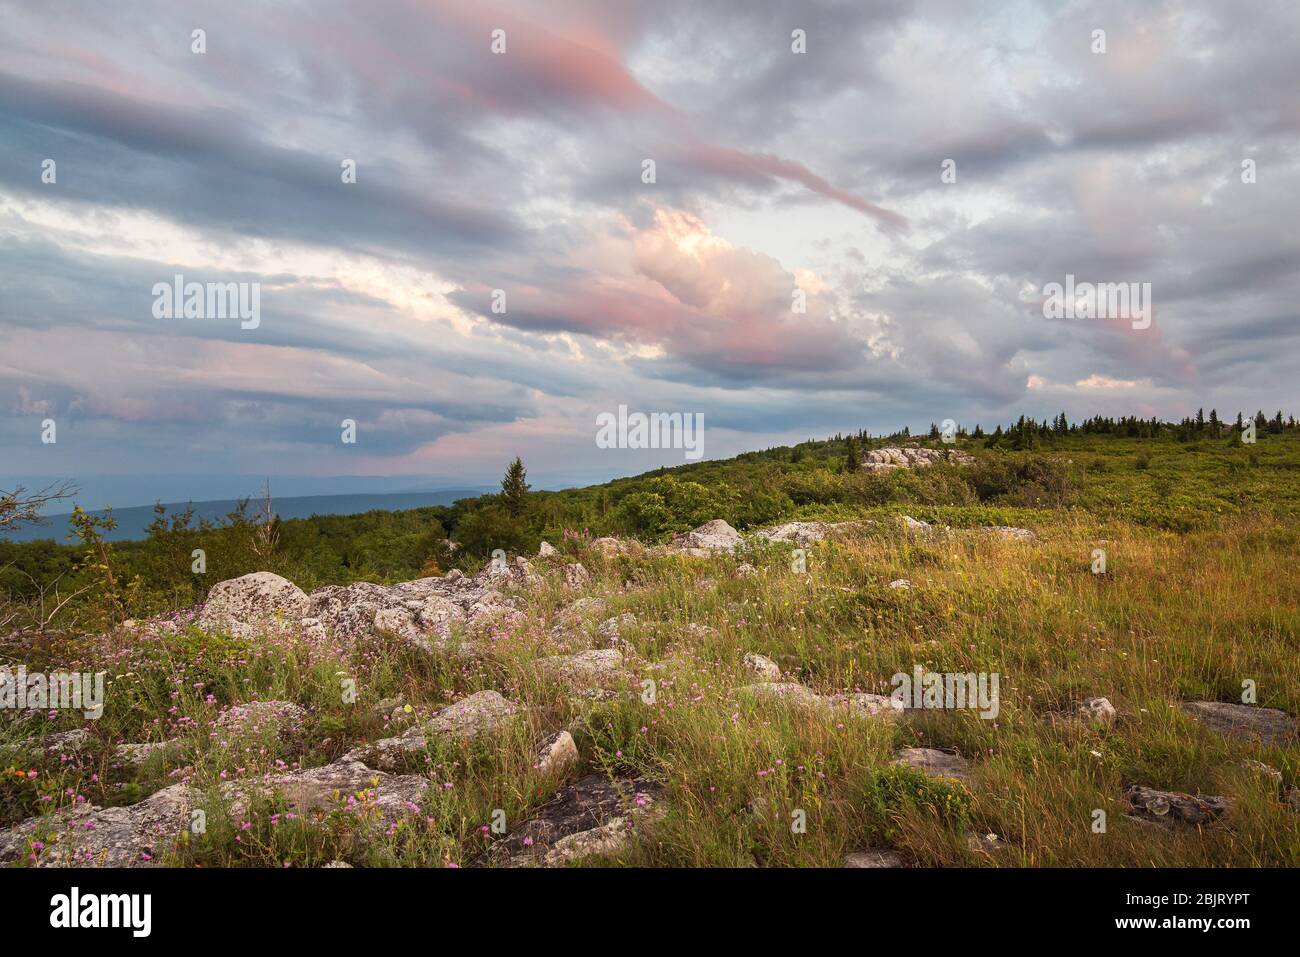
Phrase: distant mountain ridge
x=132 y=522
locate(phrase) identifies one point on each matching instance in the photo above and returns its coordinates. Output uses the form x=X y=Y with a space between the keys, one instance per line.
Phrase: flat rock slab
x=873 y=857
x=1243 y=721
x=714 y=536
x=1174 y=807
x=796 y=695
x=595 y=815
x=937 y=764
x=483 y=712
x=1011 y=533
x=139 y=835
x=598 y=669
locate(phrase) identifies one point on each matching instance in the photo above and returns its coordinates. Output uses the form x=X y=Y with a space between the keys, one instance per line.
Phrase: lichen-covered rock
x=1098 y=711
x=546 y=550
x=484 y=712
x=874 y=858
x=1010 y=532
x=1242 y=721
x=62 y=743
x=609 y=633
x=937 y=764
x=696 y=632
x=480 y=713
x=85 y=835
x=283 y=719
x=137 y=754
x=139 y=835
x=1174 y=807
x=887 y=459
x=595 y=815
x=575 y=575
x=714 y=536
x=426 y=613
x=796 y=695
x=785 y=692
x=900 y=583
x=598 y=669
x=556 y=755
x=250 y=604
x=609 y=546
x=763 y=668
x=797 y=533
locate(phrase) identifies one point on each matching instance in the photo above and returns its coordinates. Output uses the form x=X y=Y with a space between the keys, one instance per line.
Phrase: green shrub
x=899 y=790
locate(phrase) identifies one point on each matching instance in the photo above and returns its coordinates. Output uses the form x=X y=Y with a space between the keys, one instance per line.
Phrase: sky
x=916 y=173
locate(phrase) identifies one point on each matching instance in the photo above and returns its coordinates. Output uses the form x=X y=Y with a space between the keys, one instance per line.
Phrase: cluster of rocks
x=423 y=613
x=86 y=835
x=596 y=815
x=912 y=456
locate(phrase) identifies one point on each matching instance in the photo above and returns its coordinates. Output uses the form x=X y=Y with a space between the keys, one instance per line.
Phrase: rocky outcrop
x=711 y=537
x=1244 y=722
x=935 y=763
x=424 y=613
x=252 y=604
x=283 y=719
x=797 y=533
x=609 y=546
x=596 y=815
x=764 y=669
x=482 y=713
x=139 y=835
x=888 y=459
x=575 y=575
x=800 y=696
x=609 y=633
x=600 y=669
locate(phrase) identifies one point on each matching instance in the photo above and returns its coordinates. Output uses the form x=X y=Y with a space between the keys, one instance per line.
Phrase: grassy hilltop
x=1199 y=599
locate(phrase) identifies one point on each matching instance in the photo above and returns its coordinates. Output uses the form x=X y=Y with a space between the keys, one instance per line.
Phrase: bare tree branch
x=21 y=507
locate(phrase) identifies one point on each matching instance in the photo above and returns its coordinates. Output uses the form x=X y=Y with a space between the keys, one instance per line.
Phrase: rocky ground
x=557 y=686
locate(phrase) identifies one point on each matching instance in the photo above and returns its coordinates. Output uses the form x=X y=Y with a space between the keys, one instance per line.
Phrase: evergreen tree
x=514 y=490
x=852 y=454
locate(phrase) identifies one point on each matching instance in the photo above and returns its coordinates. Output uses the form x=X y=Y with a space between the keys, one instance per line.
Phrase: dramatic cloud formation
x=504 y=267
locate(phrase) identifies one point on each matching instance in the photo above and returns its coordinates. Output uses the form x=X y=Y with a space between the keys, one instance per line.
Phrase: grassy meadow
x=1200 y=594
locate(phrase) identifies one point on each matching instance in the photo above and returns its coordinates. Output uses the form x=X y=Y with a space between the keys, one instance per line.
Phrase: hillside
x=699 y=668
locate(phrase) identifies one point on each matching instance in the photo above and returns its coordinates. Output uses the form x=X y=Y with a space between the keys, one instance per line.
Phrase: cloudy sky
x=522 y=171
